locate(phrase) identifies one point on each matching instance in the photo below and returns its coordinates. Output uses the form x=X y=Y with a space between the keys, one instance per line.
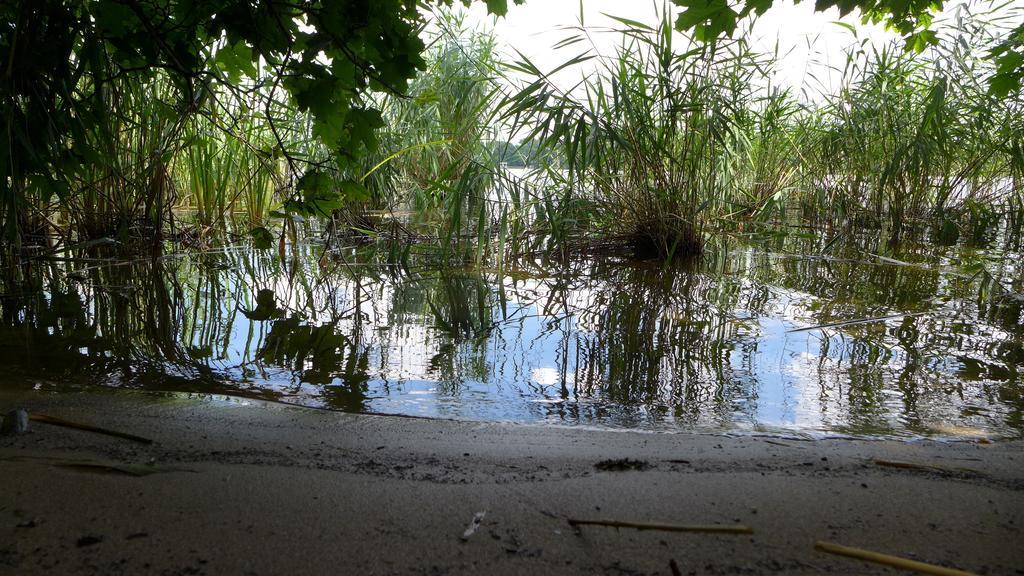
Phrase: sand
x=232 y=486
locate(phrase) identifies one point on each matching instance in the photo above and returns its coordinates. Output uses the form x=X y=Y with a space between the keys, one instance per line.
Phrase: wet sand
x=243 y=487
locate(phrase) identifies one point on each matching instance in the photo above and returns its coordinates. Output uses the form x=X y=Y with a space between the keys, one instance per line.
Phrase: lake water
x=718 y=343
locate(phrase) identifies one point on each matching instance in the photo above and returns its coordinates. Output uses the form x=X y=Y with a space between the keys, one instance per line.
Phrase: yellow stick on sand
x=715 y=528
x=887 y=560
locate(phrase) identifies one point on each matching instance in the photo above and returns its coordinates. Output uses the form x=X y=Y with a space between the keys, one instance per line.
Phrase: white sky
x=808 y=41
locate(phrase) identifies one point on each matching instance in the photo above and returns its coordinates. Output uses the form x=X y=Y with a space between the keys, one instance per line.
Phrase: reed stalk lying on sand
x=711 y=528
x=887 y=560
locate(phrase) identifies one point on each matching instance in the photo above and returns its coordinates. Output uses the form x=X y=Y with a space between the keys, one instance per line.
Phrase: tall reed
x=914 y=138
x=651 y=143
x=435 y=160
x=122 y=181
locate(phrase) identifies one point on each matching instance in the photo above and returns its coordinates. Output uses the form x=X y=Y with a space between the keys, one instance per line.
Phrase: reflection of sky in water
x=604 y=344
x=525 y=368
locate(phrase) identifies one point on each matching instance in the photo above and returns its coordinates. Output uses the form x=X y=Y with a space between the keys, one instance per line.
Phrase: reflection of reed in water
x=664 y=341
x=594 y=340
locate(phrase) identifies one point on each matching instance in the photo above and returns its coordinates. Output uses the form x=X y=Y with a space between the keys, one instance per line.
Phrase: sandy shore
x=240 y=487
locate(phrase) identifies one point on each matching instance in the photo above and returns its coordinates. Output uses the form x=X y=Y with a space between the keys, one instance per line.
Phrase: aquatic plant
x=228 y=167
x=61 y=61
x=913 y=138
x=435 y=161
x=650 y=145
x=667 y=138
x=118 y=177
x=670 y=141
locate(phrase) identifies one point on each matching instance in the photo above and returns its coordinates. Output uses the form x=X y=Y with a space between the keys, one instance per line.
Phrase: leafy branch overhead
x=711 y=19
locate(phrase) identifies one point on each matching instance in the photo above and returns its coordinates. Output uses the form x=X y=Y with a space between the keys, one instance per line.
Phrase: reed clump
x=432 y=176
x=913 y=139
x=648 y=146
x=671 y=141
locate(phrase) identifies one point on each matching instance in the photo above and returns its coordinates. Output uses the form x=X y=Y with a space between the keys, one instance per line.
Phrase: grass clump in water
x=647 y=145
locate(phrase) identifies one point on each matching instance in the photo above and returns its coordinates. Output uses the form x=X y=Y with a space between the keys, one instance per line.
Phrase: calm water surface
x=719 y=343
